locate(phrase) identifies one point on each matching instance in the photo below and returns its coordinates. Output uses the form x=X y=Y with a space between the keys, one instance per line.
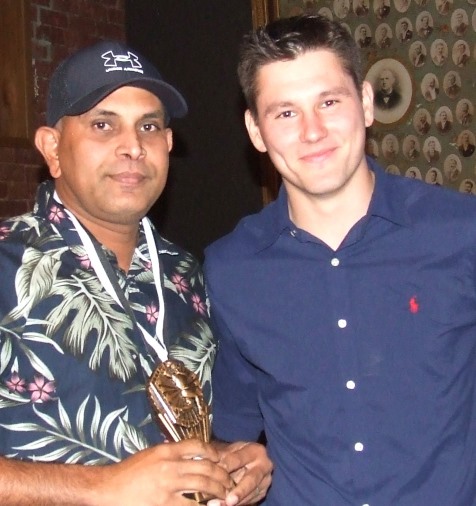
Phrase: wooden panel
x=15 y=73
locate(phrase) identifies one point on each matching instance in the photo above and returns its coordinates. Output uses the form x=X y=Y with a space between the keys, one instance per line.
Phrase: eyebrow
x=159 y=113
x=337 y=91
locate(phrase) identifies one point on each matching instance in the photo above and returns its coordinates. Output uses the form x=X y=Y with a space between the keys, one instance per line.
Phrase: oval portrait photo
x=393 y=90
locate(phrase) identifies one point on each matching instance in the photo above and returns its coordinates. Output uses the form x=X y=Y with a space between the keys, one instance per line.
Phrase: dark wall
x=214 y=179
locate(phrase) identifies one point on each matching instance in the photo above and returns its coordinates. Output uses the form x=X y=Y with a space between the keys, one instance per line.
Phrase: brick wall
x=58 y=27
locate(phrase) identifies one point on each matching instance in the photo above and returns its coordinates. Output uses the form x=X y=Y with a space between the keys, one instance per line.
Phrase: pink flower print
x=56 y=214
x=181 y=284
x=16 y=384
x=152 y=313
x=148 y=266
x=85 y=261
x=4 y=231
x=41 y=389
x=198 y=305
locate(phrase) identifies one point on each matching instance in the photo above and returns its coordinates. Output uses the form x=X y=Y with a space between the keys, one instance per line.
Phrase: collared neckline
x=387 y=202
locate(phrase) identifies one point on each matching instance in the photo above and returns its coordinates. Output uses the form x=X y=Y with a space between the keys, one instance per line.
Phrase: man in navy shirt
x=346 y=309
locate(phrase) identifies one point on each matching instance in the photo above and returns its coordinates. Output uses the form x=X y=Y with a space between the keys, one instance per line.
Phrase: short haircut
x=288 y=38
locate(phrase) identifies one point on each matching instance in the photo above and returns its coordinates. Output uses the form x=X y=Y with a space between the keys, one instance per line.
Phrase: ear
x=46 y=141
x=368 y=103
x=170 y=138
x=254 y=132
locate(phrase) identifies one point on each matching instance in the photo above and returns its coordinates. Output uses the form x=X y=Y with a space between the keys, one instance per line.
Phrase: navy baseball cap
x=91 y=74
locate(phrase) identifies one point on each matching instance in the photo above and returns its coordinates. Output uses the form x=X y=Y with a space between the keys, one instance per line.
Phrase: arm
x=236 y=412
x=156 y=476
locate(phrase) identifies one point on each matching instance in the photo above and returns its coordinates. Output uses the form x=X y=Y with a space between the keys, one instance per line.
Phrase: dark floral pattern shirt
x=72 y=369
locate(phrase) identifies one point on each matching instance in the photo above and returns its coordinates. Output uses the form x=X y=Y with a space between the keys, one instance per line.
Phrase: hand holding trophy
x=179 y=406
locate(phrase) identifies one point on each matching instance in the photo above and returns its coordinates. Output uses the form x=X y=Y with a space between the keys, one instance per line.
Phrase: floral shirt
x=72 y=369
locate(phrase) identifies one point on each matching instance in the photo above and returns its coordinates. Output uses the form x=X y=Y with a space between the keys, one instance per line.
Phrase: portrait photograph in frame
x=393 y=90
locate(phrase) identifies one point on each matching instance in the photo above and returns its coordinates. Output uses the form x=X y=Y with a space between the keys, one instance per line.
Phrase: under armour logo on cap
x=127 y=62
x=91 y=74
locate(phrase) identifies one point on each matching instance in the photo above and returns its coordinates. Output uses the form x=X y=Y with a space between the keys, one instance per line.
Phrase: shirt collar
x=53 y=211
x=389 y=196
x=387 y=202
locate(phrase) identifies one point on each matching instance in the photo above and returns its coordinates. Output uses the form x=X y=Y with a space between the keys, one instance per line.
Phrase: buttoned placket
x=338 y=291
x=350 y=384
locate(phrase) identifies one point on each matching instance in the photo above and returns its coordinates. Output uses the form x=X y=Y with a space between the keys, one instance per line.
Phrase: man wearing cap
x=93 y=298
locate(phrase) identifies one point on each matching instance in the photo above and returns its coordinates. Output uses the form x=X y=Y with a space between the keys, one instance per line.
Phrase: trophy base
x=198 y=497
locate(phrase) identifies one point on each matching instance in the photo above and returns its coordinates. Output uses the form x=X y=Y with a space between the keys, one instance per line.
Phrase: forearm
x=43 y=484
x=156 y=476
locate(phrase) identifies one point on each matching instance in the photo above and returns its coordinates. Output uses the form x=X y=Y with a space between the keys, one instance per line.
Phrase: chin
x=127 y=216
x=131 y=212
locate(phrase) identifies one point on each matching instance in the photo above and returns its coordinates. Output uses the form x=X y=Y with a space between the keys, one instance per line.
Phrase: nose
x=130 y=145
x=312 y=127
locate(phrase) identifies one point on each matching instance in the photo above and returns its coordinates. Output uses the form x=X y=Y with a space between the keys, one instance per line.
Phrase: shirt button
x=366 y=504
x=335 y=262
x=134 y=356
x=350 y=385
x=342 y=323
x=293 y=233
x=358 y=447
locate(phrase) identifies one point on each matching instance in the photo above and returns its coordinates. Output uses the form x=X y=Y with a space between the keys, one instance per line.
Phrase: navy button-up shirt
x=359 y=364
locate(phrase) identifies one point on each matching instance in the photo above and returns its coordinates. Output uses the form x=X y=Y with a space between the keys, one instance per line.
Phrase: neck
x=121 y=240
x=331 y=217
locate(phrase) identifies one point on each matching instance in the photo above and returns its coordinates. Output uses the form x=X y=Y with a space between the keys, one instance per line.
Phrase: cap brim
x=172 y=100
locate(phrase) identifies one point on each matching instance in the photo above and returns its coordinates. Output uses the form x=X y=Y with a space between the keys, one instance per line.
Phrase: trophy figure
x=179 y=407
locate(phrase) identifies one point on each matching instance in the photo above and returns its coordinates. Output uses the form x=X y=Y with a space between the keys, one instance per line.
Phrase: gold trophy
x=180 y=409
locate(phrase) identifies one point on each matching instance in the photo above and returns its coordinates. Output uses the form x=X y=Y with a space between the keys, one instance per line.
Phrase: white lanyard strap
x=154 y=257
x=157 y=343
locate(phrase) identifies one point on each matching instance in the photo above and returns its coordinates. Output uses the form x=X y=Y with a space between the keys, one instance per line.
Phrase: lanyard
x=108 y=279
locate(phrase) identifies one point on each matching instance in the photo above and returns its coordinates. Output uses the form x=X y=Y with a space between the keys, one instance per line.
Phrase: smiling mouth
x=128 y=178
x=317 y=157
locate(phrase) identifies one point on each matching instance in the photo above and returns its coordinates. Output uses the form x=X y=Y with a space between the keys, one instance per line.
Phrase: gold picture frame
x=263 y=11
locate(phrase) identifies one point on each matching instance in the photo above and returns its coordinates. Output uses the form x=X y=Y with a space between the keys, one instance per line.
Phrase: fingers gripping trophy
x=179 y=405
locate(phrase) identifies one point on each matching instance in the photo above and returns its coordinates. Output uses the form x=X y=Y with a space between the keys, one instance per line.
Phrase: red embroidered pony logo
x=414 y=306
